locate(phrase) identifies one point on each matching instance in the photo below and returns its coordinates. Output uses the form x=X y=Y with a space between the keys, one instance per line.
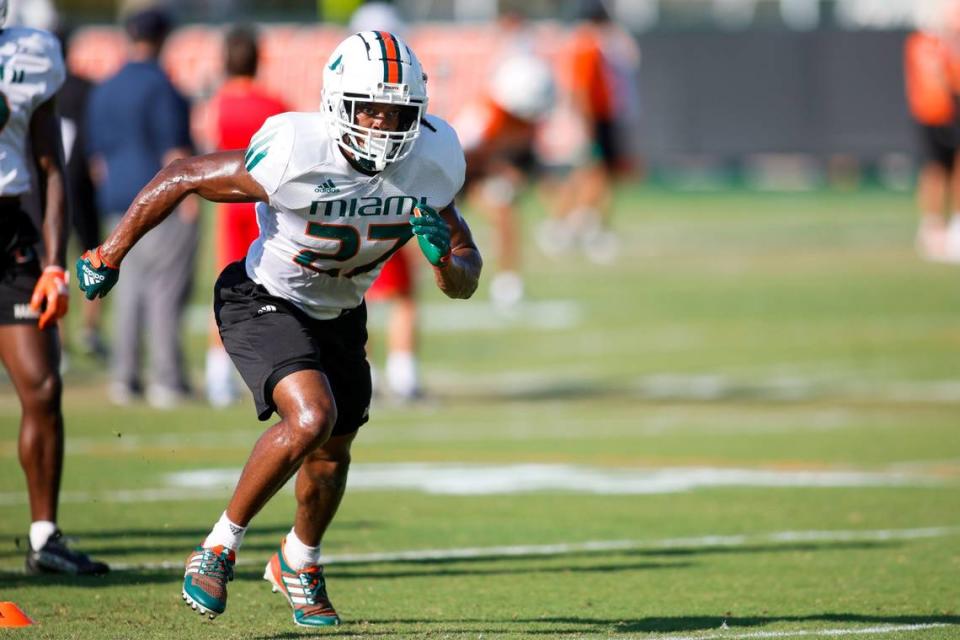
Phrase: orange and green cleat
x=305 y=590
x=205 y=579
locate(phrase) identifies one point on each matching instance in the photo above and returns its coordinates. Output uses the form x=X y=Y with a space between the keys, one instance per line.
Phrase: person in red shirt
x=237 y=111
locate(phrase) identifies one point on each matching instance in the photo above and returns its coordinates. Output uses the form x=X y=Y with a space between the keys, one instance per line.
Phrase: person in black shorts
x=33 y=285
x=338 y=192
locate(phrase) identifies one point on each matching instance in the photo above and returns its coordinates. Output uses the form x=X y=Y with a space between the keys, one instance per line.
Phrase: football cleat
x=56 y=557
x=305 y=590
x=205 y=579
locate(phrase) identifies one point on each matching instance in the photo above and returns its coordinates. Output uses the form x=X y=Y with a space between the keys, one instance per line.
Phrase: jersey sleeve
x=448 y=163
x=56 y=75
x=269 y=152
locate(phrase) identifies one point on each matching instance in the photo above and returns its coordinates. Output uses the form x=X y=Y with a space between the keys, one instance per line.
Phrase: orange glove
x=51 y=288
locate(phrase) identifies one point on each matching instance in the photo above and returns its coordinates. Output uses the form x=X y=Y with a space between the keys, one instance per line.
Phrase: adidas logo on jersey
x=327 y=187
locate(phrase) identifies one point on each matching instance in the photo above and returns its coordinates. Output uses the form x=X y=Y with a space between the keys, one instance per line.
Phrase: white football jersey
x=31 y=72
x=328 y=228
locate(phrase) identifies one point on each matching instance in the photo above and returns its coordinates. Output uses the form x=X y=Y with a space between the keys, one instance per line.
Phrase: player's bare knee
x=314 y=424
x=43 y=394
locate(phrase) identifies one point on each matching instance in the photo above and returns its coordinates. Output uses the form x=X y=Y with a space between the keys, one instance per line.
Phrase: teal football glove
x=94 y=275
x=433 y=234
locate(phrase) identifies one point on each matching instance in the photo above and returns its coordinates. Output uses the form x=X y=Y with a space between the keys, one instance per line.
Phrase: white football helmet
x=374 y=66
x=522 y=85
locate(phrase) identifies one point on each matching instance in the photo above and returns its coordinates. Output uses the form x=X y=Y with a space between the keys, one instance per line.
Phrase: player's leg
x=308 y=411
x=935 y=183
x=270 y=343
x=31 y=357
x=295 y=569
x=128 y=317
x=170 y=281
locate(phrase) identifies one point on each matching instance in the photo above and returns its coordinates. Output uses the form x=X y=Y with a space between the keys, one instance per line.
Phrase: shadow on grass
x=604 y=627
x=604 y=561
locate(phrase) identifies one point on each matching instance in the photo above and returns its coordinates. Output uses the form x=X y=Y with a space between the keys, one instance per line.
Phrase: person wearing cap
x=137 y=123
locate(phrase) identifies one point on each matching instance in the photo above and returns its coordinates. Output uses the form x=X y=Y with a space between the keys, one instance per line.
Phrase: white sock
x=298 y=555
x=225 y=533
x=401 y=373
x=219 y=377
x=40 y=532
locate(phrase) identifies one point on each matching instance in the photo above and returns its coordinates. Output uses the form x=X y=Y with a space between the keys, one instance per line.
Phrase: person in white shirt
x=33 y=285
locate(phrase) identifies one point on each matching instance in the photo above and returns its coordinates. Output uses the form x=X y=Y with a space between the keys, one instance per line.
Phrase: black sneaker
x=56 y=557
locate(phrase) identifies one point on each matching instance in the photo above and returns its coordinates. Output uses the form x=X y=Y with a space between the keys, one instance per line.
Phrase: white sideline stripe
x=813 y=632
x=489 y=479
x=469 y=553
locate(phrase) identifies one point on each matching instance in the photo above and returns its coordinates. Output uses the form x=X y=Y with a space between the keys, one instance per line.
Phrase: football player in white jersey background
x=33 y=287
x=337 y=193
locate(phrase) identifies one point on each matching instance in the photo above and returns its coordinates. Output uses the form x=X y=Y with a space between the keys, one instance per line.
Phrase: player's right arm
x=218 y=177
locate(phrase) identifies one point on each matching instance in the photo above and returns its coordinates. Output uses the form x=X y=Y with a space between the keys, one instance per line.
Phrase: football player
x=33 y=286
x=337 y=193
x=498 y=132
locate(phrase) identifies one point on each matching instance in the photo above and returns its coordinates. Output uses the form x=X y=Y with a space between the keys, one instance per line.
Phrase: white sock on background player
x=299 y=555
x=225 y=533
x=221 y=387
x=40 y=532
x=401 y=374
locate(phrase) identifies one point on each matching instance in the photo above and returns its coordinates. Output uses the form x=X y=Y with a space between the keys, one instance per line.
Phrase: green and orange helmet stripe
x=392 y=57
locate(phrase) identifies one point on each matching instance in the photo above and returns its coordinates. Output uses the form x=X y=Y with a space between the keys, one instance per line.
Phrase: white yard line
x=501 y=479
x=864 y=631
x=564 y=548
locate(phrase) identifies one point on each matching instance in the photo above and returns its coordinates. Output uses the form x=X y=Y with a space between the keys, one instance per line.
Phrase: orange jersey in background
x=932 y=74
x=590 y=77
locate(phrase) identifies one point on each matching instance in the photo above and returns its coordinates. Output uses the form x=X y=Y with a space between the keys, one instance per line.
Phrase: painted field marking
x=564 y=548
x=812 y=632
x=504 y=479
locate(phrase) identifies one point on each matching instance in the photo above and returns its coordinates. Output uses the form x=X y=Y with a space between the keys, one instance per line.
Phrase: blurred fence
x=712 y=102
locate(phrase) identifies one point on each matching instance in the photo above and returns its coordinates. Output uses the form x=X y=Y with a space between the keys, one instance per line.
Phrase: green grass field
x=747 y=427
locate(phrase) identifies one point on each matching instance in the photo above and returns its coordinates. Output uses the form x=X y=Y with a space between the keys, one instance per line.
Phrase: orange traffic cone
x=13 y=616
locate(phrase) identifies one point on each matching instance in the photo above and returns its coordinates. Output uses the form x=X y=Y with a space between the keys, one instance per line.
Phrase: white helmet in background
x=523 y=87
x=374 y=66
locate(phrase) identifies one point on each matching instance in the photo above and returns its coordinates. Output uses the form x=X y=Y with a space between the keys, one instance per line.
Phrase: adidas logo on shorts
x=24 y=312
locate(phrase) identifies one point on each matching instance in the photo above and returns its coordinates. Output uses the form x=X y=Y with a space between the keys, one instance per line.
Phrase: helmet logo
x=336 y=63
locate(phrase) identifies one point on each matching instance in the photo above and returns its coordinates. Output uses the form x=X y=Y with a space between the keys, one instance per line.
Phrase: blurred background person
x=396 y=286
x=498 y=132
x=137 y=122
x=33 y=284
x=602 y=62
x=84 y=214
x=932 y=74
x=236 y=112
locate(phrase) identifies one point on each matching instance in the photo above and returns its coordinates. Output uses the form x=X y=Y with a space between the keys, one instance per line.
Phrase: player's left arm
x=51 y=292
x=458 y=275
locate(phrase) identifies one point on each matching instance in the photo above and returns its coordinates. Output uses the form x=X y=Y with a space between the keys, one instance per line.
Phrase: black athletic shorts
x=19 y=272
x=940 y=144
x=268 y=338
x=605 y=144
